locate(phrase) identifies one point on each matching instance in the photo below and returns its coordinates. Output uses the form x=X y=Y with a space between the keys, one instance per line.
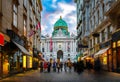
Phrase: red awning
x=1 y=39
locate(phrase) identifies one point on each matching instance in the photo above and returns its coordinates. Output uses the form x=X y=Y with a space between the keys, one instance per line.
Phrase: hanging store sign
x=1 y=39
x=82 y=46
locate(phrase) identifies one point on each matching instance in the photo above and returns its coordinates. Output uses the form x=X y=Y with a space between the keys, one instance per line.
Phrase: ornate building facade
x=96 y=31
x=61 y=45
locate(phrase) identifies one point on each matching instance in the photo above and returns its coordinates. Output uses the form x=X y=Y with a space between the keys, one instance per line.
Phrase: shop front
x=116 y=51
x=29 y=60
x=35 y=64
x=17 y=53
x=4 y=64
x=105 y=55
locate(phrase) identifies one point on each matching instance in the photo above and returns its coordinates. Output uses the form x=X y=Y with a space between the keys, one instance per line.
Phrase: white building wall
x=64 y=44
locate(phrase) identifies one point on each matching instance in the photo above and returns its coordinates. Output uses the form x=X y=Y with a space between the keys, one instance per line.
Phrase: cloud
x=53 y=9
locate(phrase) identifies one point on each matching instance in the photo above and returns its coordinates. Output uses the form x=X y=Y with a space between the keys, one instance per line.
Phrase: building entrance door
x=59 y=55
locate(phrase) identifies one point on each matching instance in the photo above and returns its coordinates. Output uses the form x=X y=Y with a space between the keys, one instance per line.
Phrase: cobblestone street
x=86 y=76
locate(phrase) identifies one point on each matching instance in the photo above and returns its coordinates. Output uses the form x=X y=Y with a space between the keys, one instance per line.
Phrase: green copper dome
x=60 y=24
x=60 y=27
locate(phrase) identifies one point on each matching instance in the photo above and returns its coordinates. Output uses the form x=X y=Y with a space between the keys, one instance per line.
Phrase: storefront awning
x=21 y=48
x=85 y=53
x=101 y=52
x=6 y=37
x=83 y=57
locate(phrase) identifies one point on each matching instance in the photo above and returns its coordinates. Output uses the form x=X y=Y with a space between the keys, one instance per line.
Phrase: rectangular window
x=25 y=3
x=118 y=43
x=15 y=17
x=103 y=10
x=68 y=54
x=109 y=32
x=105 y=60
x=31 y=13
x=114 y=44
x=25 y=26
x=103 y=35
x=37 y=11
x=42 y=49
x=98 y=17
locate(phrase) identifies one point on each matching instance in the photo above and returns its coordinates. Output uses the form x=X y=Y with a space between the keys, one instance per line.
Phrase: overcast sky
x=53 y=9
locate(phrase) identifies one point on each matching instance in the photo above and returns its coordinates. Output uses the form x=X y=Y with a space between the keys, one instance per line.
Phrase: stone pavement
x=86 y=76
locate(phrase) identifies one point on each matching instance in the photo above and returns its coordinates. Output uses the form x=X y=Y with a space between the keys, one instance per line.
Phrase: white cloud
x=54 y=4
x=68 y=14
x=54 y=1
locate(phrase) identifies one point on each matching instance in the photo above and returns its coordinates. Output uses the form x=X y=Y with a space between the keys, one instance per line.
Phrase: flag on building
x=38 y=26
x=32 y=32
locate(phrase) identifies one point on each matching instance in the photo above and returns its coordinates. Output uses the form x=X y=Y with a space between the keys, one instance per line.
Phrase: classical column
x=47 y=47
x=73 y=45
x=70 y=46
x=53 y=46
x=66 y=46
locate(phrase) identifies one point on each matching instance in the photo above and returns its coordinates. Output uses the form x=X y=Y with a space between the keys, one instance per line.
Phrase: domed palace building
x=61 y=46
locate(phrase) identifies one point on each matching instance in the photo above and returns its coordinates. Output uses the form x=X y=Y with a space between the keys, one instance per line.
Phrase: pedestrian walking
x=61 y=66
x=58 y=66
x=97 y=65
x=80 y=66
x=75 y=66
x=65 y=66
x=49 y=66
x=41 y=66
x=54 y=66
x=45 y=66
x=70 y=65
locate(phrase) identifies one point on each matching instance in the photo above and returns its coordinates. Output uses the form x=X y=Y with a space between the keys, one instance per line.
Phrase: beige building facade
x=97 y=21
x=18 y=18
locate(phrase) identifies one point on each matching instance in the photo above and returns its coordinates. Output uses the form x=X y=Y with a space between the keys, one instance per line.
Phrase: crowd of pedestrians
x=67 y=66
x=55 y=66
x=80 y=65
